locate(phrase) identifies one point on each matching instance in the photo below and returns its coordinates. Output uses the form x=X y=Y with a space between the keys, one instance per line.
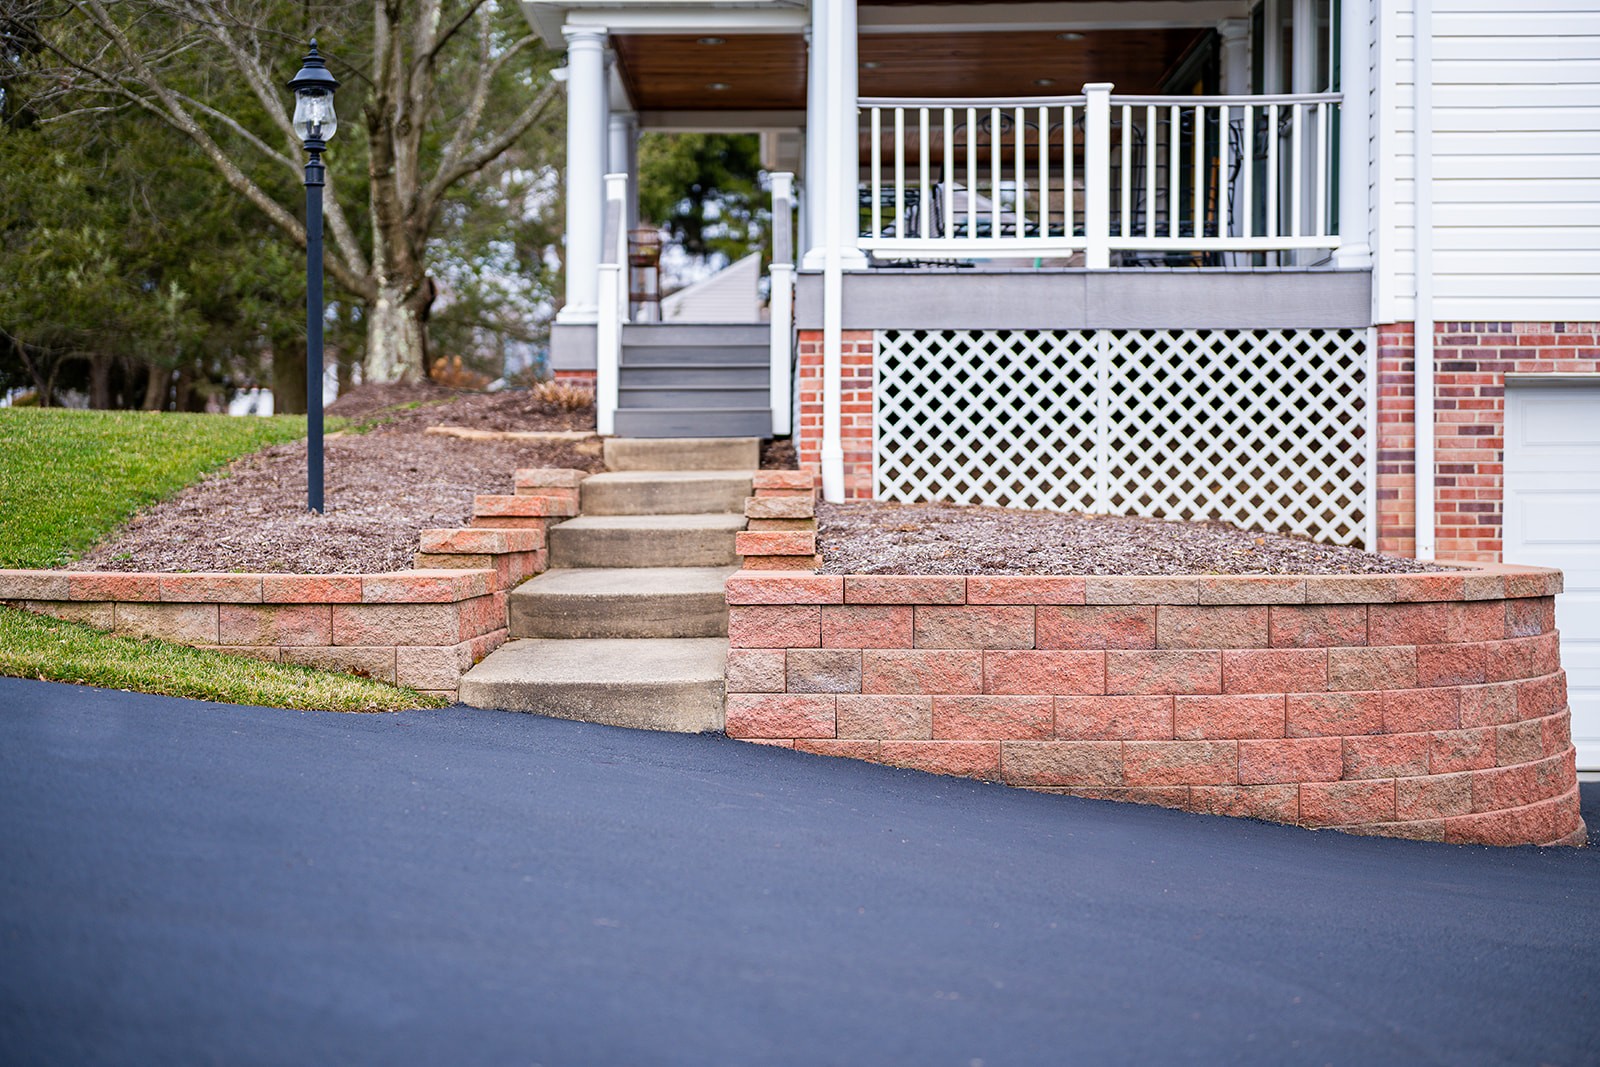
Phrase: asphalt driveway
x=188 y=882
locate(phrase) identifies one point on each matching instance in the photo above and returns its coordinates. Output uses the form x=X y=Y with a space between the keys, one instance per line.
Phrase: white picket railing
x=1159 y=178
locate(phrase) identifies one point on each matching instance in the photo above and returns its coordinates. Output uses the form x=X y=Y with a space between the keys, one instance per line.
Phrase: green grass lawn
x=36 y=646
x=70 y=478
x=67 y=480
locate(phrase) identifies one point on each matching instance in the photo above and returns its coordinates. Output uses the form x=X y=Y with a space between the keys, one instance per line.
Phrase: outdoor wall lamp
x=314 y=123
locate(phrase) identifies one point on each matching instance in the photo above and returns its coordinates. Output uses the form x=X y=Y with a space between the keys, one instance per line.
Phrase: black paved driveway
x=184 y=882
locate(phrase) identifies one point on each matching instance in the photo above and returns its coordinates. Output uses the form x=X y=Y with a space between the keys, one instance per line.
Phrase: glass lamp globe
x=313 y=114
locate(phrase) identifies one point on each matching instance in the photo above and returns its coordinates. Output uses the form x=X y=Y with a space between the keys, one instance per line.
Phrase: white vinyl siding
x=1516 y=146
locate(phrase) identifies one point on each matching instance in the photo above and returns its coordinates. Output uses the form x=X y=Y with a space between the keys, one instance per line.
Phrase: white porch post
x=844 y=131
x=622 y=157
x=586 y=155
x=1235 y=77
x=834 y=42
x=1097 y=175
x=813 y=182
x=1354 y=253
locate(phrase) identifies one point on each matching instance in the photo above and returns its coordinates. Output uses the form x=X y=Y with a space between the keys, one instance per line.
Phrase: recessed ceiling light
x=1044 y=81
x=712 y=40
x=1069 y=36
x=871 y=64
x=718 y=87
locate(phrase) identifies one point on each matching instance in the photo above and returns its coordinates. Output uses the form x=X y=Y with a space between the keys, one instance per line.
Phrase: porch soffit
x=675 y=72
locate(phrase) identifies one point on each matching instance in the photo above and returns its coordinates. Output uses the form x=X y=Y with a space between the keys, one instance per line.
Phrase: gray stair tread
x=679 y=388
x=605 y=662
x=626 y=581
x=651 y=522
x=690 y=364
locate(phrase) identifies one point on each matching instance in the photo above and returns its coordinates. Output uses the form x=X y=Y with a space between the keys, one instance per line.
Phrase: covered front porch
x=979 y=167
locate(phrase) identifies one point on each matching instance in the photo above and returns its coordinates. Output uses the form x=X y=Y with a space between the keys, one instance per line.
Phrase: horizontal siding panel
x=1446 y=8
x=1520 y=24
x=1540 y=190
x=1554 y=238
x=1579 y=288
x=1552 y=49
x=1532 y=97
x=1470 y=216
x=1519 y=168
x=1495 y=119
x=1514 y=142
x=1485 y=70
x=1515 y=258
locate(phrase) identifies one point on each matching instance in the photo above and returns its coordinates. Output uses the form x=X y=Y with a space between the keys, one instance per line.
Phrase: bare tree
x=446 y=89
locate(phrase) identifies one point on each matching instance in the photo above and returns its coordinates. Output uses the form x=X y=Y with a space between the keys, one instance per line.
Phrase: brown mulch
x=880 y=538
x=778 y=454
x=382 y=488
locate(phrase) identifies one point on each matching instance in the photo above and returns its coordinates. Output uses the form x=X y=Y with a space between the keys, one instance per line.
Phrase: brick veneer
x=855 y=407
x=421 y=628
x=1472 y=360
x=1428 y=706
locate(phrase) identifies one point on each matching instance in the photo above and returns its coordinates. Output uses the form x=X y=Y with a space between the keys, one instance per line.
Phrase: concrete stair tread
x=671 y=684
x=733 y=523
x=625 y=581
x=629 y=477
x=679 y=453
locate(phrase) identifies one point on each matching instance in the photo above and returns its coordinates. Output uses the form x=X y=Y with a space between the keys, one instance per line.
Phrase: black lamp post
x=314 y=123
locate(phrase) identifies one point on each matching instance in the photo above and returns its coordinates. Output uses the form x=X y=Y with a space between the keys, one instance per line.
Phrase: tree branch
x=485 y=154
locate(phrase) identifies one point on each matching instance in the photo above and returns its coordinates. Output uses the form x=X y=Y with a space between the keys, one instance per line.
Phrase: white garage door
x=1552 y=519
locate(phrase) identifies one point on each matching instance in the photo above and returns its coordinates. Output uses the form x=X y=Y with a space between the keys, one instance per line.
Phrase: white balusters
x=1161 y=175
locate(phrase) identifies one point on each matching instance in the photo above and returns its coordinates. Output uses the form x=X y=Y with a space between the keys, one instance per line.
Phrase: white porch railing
x=1164 y=179
x=613 y=304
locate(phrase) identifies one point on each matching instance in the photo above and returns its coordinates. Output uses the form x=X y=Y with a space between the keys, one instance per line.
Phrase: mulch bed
x=382 y=488
x=880 y=538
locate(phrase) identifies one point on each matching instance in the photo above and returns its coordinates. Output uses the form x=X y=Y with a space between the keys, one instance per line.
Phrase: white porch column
x=1234 y=64
x=814 y=192
x=586 y=158
x=1355 y=112
x=844 y=130
x=622 y=157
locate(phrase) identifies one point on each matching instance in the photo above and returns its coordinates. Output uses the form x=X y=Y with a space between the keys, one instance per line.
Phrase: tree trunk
x=288 y=376
x=100 y=382
x=155 y=387
x=397 y=339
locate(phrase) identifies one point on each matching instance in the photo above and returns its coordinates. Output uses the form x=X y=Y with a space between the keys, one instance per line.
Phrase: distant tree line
x=151 y=209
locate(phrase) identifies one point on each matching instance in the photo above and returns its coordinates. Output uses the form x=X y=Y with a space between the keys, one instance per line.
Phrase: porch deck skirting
x=1429 y=706
x=1266 y=428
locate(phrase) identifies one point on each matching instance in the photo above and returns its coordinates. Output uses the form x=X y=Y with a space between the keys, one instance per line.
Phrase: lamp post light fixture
x=314 y=123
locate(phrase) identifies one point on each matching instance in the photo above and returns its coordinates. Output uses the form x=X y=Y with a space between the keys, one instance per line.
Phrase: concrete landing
x=682 y=453
x=671 y=684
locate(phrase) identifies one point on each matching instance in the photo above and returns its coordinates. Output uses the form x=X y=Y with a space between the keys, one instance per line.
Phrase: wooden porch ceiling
x=768 y=71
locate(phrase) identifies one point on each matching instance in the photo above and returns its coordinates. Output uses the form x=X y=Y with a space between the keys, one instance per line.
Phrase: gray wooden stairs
x=688 y=380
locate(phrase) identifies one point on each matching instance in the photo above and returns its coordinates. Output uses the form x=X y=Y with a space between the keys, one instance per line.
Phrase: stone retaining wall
x=1429 y=706
x=421 y=628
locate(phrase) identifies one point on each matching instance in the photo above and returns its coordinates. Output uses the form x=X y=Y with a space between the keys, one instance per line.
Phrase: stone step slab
x=672 y=684
x=682 y=454
x=665 y=492
x=623 y=602
x=646 y=541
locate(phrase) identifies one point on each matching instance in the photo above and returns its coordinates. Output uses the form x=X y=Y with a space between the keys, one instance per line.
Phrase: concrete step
x=645 y=541
x=651 y=684
x=622 y=602
x=665 y=492
x=716 y=398
x=683 y=375
x=685 y=453
x=697 y=421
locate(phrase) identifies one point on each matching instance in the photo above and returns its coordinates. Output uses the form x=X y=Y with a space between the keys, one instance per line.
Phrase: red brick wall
x=1427 y=706
x=1472 y=360
x=855 y=407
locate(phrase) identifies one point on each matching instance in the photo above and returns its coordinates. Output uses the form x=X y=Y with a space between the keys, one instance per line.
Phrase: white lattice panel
x=1262 y=428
